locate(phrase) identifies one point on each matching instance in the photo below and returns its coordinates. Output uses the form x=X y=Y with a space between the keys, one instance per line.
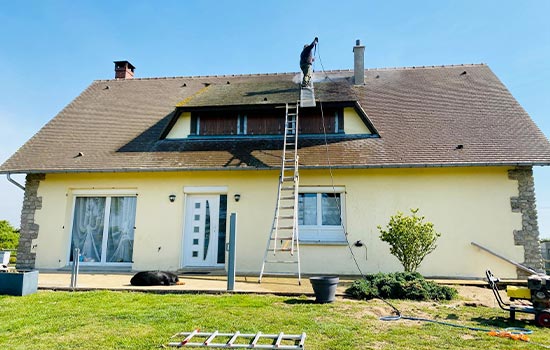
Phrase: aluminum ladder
x=283 y=246
x=238 y=340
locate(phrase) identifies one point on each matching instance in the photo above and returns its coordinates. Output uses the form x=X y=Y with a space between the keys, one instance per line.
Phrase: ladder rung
x=281 y=262
x=233 y=338
x=256 y=338
x=282 y=238
x=280 y=250
x=287 y=217
x=288 y=178
x=287 y=207
x=285 y=227
x=287 y=198
x=278 y=340
x=287 y=188
x=210 y=338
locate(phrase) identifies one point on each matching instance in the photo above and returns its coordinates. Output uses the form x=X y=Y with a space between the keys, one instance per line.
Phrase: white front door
x=203 y=238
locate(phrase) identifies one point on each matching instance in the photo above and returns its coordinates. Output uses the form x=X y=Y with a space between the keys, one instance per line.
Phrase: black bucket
x=324 y=288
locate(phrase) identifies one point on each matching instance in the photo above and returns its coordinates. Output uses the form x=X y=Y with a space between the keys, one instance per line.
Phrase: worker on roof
x=306 y=60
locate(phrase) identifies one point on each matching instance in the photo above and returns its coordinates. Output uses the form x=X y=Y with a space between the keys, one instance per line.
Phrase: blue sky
x=52 y=50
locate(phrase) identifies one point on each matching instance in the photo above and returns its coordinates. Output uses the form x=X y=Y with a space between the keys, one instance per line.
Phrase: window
x=103 y=229
x=320 y=216
x=264 y=122
x=215 y=124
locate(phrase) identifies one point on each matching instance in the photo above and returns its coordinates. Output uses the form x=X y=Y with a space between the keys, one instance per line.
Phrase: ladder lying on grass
x=237 y=340
x=283 y=246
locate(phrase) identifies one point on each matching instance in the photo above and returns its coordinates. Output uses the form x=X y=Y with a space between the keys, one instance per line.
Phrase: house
x=141 y=173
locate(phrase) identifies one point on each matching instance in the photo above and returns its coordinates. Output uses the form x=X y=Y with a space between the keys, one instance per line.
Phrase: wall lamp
x=172 y=198
x=237 y=197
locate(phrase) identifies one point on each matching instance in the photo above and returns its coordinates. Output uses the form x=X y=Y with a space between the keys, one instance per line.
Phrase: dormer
x=256 y=108
x=268 y=121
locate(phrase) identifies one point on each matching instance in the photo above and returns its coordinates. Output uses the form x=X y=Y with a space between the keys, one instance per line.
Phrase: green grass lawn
x=125 y=320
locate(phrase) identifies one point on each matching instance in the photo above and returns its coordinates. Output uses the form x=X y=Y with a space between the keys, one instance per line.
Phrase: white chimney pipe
x=359 y=63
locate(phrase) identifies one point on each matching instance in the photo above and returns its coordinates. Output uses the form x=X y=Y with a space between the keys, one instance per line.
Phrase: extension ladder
x=238 y=340
x=307 y=97
x=283 y=246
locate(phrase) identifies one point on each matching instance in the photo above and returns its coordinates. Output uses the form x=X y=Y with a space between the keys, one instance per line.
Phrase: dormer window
x=263 y=122
x=268 y=121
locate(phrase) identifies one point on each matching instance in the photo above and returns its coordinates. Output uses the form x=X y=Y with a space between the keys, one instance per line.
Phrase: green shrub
x=9 y=236
x=399 y=285
x=410 y=239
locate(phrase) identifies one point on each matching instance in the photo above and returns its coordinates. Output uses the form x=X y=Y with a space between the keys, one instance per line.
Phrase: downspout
x=8 y=175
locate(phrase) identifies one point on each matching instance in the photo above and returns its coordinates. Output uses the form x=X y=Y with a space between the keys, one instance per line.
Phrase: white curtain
x=89 y=226
x=307 y=209
x=89 y=214
x=331 y=208
x=121 y=229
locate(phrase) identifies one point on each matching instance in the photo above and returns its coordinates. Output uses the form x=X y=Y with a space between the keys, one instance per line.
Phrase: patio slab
x=193 y=284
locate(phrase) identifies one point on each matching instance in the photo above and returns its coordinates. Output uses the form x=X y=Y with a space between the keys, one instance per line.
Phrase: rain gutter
x=8 y=175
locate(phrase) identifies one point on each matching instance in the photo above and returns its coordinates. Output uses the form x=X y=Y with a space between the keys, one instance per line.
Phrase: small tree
x=9 y=236
x=410 y=239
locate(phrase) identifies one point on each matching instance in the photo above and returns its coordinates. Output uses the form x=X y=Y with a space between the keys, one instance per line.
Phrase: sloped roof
x=265 y=93
x=429 y=116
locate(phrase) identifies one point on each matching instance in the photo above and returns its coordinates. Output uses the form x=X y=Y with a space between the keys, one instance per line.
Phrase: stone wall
x=524 y=203
x=29 y=230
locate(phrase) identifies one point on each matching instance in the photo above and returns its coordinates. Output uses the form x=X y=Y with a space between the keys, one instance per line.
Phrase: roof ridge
x=201 y=76
x=429 y=66
x=293 y=73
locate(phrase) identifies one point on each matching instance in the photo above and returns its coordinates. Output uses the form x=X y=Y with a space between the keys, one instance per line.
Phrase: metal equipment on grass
x=537 y=293
x=239 y=340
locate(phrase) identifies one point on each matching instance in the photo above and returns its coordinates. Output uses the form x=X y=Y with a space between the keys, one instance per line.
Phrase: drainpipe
x=8 y=175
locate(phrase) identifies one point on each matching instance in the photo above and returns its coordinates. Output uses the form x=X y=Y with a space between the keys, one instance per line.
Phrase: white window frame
x=319 y=233
x=108 y=194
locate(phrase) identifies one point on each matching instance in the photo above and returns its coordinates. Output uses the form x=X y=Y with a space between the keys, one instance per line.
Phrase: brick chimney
x=124 y=70
x=359 y=63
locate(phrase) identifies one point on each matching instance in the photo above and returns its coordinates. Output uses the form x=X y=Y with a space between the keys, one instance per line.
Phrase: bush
x=9 y=236
x=410 y=239
x=399 y=285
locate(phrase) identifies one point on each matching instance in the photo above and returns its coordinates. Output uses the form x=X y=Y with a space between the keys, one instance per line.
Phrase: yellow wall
x=182 y=128
x=465 y=204
x=353 y=123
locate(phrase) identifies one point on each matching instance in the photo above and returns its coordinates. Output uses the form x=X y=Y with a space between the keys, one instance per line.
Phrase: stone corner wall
x=524 y=203
x=29 y=230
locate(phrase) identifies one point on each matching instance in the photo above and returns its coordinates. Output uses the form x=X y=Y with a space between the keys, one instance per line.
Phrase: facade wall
x=465 y=205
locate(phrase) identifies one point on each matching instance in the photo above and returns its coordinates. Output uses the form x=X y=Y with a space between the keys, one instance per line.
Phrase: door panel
x=201 y=231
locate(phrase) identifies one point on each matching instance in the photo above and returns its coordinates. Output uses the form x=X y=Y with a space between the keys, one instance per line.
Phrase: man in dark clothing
x=306 y=60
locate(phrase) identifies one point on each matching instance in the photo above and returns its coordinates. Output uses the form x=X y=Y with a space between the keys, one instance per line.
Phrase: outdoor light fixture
x=237 y=197
x=172 y=198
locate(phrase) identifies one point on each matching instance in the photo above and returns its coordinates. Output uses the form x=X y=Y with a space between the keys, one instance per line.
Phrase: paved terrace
x=200 y=284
